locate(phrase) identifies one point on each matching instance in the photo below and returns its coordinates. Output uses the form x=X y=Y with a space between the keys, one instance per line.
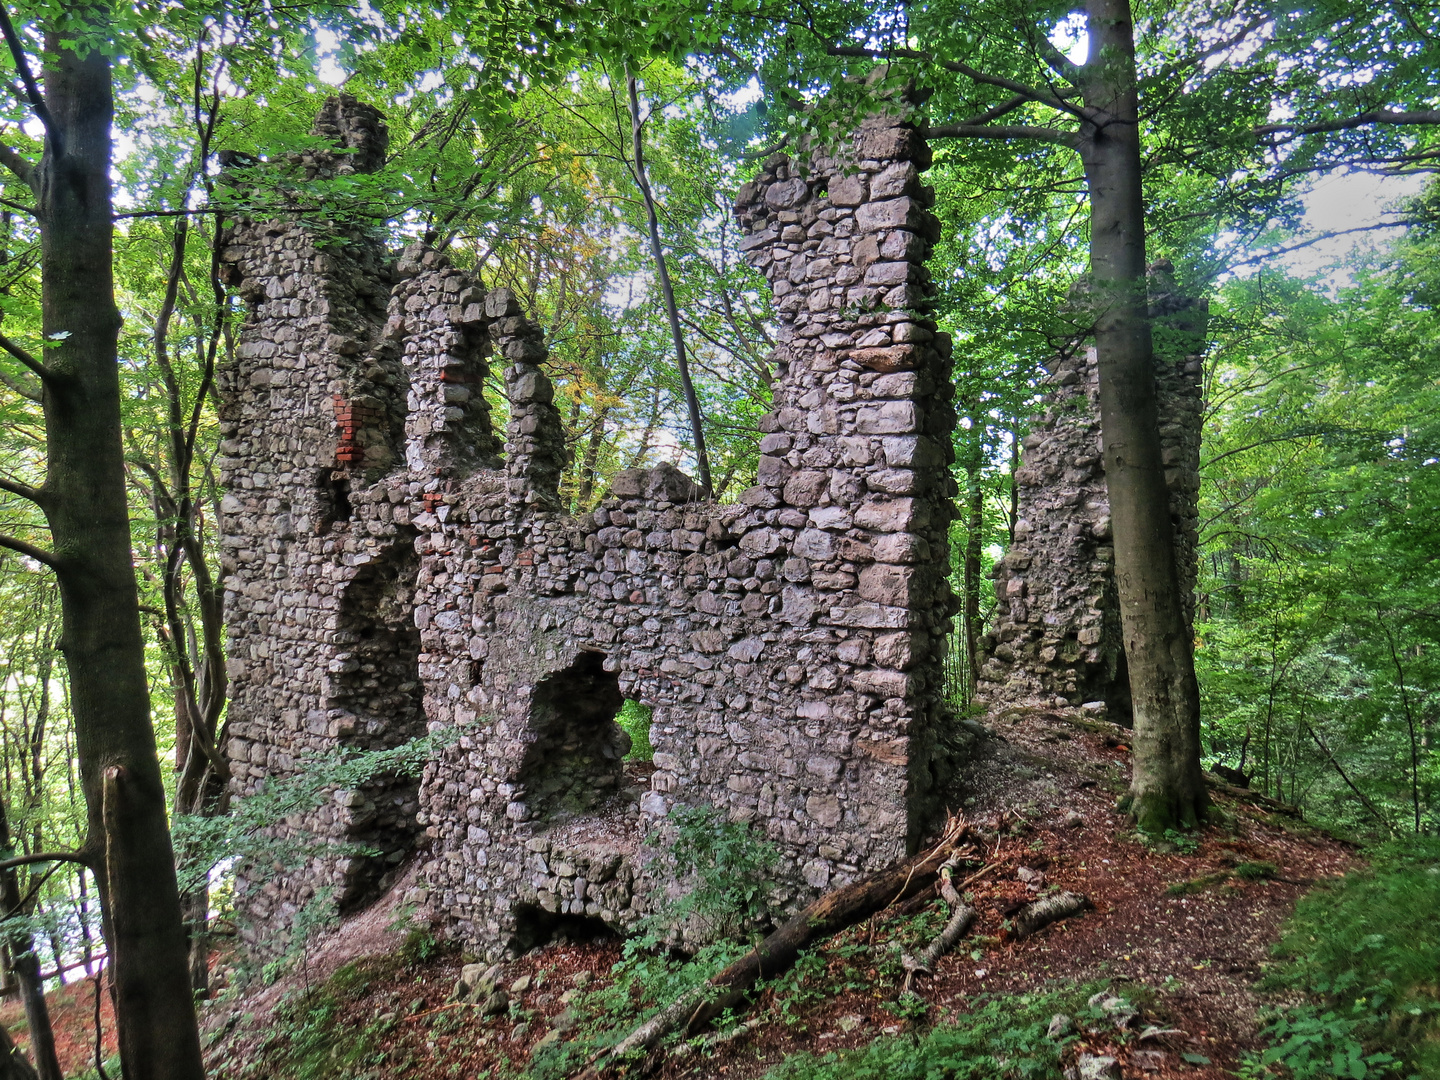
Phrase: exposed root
x=713 y=1042
x=961 y=916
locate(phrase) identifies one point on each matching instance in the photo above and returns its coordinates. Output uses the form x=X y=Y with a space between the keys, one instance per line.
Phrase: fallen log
x=828 y=915
x=1224 y=787
x=1042 y=913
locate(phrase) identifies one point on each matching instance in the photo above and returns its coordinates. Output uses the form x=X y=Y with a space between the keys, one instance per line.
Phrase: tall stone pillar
x=1056 y=641
x=856 y=453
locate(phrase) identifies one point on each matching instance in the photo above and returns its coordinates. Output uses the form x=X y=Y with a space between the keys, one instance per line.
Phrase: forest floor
x=1181 y=934
x=72 y=1015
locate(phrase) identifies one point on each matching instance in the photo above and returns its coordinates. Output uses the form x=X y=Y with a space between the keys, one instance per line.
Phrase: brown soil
x=72 y=1014
x=1187 y=959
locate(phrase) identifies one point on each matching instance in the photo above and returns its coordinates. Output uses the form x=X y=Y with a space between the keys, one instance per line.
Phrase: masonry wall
x=1056 y=640
x=789 y=643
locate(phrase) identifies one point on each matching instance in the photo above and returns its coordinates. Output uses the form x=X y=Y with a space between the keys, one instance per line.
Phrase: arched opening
x=376 y=702
x=536 y=926
x=576 y=762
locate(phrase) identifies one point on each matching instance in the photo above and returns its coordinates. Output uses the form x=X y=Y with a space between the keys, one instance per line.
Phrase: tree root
x=717 y=1040
x=1224 y=787
x=1042 y=913
x=961 y=916
x=828 y=915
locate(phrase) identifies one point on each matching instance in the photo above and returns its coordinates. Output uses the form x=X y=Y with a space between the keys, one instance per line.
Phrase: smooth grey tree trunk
x=84 y=501
x=1167 y=786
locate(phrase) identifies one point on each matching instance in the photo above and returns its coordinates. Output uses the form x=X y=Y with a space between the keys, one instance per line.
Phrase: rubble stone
x=1057 y=641
x=394 y=567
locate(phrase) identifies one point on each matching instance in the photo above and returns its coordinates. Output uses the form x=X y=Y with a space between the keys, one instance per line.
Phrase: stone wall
x=789 y=643
x=1056 y=639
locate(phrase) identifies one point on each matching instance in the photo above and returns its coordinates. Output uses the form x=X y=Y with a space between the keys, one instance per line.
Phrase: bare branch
x=1057 y=61
x=1042 y=97
x=46 y=856
x=32 y=89
x=1374 y=116
x=994 y=114
x=24 y=356
x=30 y=551
x=25 y=491
x=1004 y=131
x=19 y=386
x=12 y=160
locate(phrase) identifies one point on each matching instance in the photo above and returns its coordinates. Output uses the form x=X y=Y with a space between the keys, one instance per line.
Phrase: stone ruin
x=1056 y=639
x=394 y=566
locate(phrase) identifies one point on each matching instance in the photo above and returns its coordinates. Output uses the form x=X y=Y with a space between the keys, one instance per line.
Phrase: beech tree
x=1176 y=144
x=83 y=499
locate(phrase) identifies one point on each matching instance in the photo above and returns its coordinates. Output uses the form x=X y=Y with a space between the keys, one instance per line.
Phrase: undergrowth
x=635 y=719
x=1000 y=1039
x=1366 y=953
x=728 y=868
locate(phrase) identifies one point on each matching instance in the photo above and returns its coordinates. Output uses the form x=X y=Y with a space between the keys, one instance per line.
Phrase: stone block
x=847 y=191
x=886 y=584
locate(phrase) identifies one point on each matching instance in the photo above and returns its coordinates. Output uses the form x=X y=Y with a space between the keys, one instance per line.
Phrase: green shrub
x=635 y=719
x=1366 y=950
x=1002 y=1038
x=727 y=867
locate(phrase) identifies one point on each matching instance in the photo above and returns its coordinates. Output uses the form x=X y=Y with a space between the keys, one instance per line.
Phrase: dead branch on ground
x=828 y=915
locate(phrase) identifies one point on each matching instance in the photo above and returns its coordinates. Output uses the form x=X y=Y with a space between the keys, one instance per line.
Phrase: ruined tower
x=1056 y=641
x=393 y=566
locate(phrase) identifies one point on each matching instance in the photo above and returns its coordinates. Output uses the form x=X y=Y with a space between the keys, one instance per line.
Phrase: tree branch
x=32 y=89
x=1057 y=61
x=30 y=393
x=11 y=159
x=40 y=555
x=24 y=357
x=1055 y=101
x=1004 y=131
x=1364 y=799
x=25 y=491
x=994 y=114
x=1374 y=116
x=45 y=856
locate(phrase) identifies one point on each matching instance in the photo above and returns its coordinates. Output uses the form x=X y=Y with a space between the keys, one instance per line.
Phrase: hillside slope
x=1180 y=935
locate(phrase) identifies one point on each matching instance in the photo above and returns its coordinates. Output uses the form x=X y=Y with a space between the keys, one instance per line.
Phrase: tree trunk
x=970 y=584
x=26 y=966
x=662 y=271
x=1167 y=788
x=591 y=460
x=13 y=1065
x=85 y=505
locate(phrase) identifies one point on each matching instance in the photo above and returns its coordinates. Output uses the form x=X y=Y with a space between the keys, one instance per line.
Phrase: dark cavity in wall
x=536 y=926
x=333 y=499
x=575 y=763
x=376 y=702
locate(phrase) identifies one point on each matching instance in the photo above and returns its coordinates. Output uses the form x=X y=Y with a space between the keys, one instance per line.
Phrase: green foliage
x=1366 y=951
x=635 y=719
x=1318 y=630
x=728 y=868
x=316 y=1043
x=1172 y=840
x=245 y=837
x=1002 y=1037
